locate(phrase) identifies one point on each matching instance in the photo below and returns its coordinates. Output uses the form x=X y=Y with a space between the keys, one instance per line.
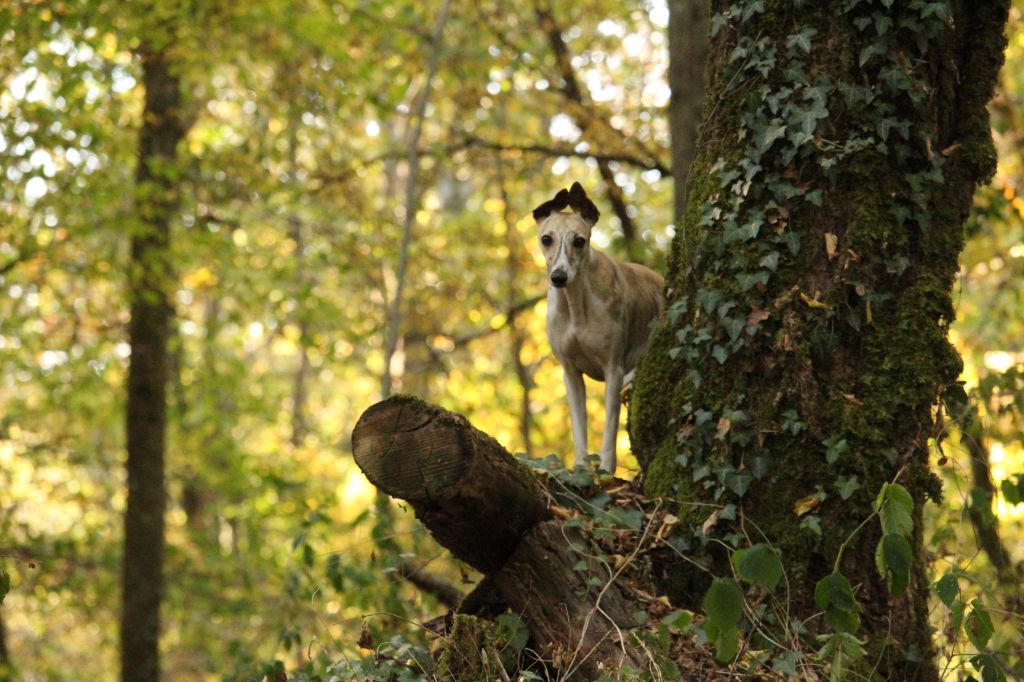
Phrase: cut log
x=491 y=512
x=584 y=627
x=471 y=494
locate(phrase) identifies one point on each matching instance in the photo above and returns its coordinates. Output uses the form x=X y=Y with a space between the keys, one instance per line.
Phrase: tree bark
x=804 y=349
x=146 y=411
x=6 y=664
x=452 y=475
x=490 y=511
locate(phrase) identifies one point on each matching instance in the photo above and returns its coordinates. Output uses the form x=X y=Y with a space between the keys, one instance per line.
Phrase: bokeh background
x=302 y=125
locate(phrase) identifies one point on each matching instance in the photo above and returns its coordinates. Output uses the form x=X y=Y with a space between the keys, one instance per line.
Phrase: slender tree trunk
x=150 y=277
x=983 y=491
x=413 y=169
x=687 y=52
x=6 y=665
x=804 y=349
x=522 y=370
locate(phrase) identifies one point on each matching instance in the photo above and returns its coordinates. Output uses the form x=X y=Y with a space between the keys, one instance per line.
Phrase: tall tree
x=804 y=352
x=156 y=200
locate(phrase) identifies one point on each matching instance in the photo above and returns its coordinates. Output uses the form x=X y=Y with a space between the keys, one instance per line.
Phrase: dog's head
x=565 y=235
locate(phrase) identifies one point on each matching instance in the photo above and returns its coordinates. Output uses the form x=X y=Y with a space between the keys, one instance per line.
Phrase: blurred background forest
x=303 y=123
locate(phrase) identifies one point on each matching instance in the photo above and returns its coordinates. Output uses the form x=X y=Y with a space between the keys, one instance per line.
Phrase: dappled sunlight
x=293 y=174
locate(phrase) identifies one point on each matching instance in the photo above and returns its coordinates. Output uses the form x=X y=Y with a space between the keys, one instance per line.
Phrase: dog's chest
x=588 y=347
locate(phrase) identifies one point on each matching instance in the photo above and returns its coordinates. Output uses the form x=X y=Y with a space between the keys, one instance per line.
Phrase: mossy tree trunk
x=804 y=353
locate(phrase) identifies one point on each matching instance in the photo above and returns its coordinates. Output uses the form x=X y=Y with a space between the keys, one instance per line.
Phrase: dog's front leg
x=612 y=403
x=576 y=395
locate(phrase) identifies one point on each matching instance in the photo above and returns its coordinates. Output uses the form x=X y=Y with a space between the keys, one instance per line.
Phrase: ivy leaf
x=720 y=353
x=895 y=507
x=759 y=564
x=802 y=39
x=773 y=133
x=835 y=448
x=868 y=52
x=846 y=485
x=947 y=588
x=893 y=557
x=770 y=261
x=734 y=326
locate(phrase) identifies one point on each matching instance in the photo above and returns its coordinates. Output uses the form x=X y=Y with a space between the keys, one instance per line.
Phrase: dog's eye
x=579 y=242
x=546 y=240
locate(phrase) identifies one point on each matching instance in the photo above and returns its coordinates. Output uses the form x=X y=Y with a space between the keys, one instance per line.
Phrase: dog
x=599 y=313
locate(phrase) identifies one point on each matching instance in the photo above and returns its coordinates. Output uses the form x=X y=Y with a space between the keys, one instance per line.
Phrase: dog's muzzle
x=559 y=278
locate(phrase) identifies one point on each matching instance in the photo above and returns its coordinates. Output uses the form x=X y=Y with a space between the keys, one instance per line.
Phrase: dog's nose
x=559 y=278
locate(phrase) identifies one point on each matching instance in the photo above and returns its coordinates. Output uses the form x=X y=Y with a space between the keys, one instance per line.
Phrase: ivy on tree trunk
x=804 y=354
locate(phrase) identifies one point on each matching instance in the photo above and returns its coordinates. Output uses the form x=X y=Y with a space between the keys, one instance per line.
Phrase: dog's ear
x=560 y=201
x=581 y=203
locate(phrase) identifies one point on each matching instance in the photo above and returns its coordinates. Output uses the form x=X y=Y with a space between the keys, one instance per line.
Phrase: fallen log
x=490 y=511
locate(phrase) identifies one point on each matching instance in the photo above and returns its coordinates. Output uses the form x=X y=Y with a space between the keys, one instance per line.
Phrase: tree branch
x=574 y=93
x=441 y=589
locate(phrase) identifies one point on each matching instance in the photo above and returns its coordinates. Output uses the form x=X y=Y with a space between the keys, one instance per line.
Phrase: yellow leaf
x=560 y=512
x=813 y=303
x=831 y=241
x=805 y=504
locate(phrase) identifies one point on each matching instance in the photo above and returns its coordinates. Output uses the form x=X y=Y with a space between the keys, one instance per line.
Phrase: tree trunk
x=687 y=51
x=6 y=665
x=491 y=512
x=804 y=349
x=151 y=281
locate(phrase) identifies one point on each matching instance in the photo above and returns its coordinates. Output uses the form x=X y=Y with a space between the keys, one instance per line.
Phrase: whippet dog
x=599 y=313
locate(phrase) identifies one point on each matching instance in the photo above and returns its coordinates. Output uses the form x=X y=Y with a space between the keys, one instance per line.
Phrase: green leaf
x=846 y=485
x=5 y=584
x=840 y=649
x=956 y=616
x=834 y=596
x=773 y=133
x=989 y=668
x=979 y=625
x=895 y=507
x=1013 y=492
x=632 y=519
x=759 y=565
x=802 y=39
x=835 y=448
x=723 y=603
x=720 y=353
x=678 y=620
x=947 y=588
x=894 y=557
x=727 y=644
